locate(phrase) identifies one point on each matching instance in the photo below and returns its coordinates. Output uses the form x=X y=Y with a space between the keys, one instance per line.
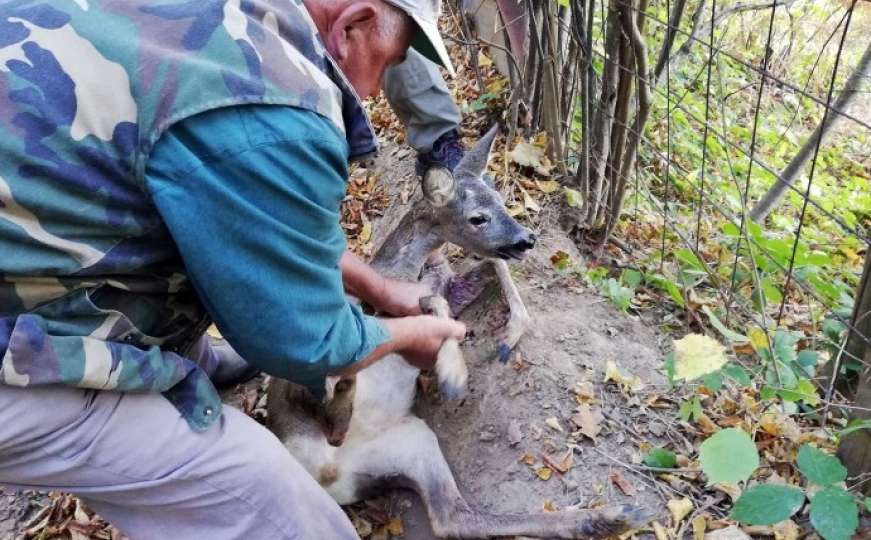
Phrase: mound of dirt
x=499 y=439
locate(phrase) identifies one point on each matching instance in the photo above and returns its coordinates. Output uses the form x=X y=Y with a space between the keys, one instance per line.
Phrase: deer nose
x=527 y=241
x=518 y=249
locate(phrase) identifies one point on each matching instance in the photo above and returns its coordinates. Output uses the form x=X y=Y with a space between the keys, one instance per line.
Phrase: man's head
x=365 y=37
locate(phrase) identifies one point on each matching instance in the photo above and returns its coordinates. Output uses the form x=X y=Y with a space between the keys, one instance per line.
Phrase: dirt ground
x=497 y=438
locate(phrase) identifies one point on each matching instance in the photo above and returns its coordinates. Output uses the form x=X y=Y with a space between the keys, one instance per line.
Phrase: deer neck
x=405 y=251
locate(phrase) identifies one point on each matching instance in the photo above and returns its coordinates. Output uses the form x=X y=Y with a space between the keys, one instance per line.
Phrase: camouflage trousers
x=137 y=463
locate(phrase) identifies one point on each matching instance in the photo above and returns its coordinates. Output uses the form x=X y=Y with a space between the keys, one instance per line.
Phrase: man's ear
x=355 y=25
x=439 y=186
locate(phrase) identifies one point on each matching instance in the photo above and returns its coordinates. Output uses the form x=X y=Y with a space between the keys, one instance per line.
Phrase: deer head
x=468 y=211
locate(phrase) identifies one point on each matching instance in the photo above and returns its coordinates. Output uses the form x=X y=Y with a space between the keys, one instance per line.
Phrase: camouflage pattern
x=92 y=290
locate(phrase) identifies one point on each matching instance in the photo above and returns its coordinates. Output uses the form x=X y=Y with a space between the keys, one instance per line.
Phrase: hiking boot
x=447 y=151
x=231 y=369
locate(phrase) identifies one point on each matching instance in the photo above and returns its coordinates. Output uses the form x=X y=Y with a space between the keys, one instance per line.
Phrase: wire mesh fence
x=725 y=145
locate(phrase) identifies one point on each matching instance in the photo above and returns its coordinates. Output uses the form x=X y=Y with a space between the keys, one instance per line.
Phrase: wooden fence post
x=855 y=449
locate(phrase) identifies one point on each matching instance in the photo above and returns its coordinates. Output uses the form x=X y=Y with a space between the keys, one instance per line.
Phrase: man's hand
x=389 y=296
x=418 y=339
x=400 y=298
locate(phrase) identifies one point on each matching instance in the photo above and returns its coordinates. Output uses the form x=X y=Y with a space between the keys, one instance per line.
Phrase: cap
x=427 y=40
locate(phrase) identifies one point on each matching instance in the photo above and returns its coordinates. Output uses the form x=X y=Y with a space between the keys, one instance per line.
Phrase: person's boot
x=447 y=151
x=231 y=369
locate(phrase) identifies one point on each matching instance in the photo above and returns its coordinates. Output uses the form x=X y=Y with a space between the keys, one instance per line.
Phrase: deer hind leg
x=408 y=455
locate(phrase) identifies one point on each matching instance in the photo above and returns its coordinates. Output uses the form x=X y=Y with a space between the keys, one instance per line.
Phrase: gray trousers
x=133 y=460
x=418 y=95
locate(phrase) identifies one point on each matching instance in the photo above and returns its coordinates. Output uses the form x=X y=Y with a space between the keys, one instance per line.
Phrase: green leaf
x=819 y=467
x=573 y=197
x=668 y=365
x=690 y=409
x=766 y=504
x=660 y=458
x=631 y=278
x=834 y=514
x=728 y=456
x=868 y=504
x=714 y=381
x=737 y=374
x=731 y=335
x=853 y=426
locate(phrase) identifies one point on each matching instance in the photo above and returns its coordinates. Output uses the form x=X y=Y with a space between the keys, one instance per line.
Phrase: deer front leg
x=518 y=319
x=450 y=366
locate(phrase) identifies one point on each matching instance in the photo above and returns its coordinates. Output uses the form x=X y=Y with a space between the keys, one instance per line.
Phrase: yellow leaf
x=529 y=155
x=529 y=203
x=484 y=60
x=516 y=210
x=497 y=85
x=395 y=527
x=544 y=473
x=659 y=531
x=625 y=380
x=786 y=530
x=699 y=525
x=366 y=232
x=758 y=339
x=696 y=356
x=547 y=186
x=679 y=509
x=553 y=424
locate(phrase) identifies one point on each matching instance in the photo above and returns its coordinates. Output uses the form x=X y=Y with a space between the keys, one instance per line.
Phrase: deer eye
x=478 y=220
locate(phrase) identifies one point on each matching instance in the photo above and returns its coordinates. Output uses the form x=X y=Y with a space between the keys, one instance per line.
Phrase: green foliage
x=660 y=458
x=819 y=467
x=691 y=409
x=766 y=504
x=834 y=514
x=614 y=290
x=729 y=456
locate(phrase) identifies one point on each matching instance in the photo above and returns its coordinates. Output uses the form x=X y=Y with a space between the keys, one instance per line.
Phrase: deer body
x=384 y=443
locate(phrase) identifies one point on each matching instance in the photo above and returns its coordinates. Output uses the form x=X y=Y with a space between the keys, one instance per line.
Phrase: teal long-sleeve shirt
x=251 y=196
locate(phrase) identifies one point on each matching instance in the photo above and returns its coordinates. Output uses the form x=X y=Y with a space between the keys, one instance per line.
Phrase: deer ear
x=439 y=186
x=474 y=163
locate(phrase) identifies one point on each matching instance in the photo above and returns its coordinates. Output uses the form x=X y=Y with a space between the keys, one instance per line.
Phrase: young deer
x=365 y=437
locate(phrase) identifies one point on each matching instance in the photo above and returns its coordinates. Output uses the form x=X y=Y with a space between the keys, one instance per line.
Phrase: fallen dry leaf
x=729 y=533
x=626 y=381
x=544 y=473
x=528 y=459
x=560 y=464
x=395 y=527
x=589 y=420
x=786 y=530
x=679 y=509
x=696 y=355
x=659 y=531
x=699 y=524
x=625 y=485
x=553 y=424
x=530 y=155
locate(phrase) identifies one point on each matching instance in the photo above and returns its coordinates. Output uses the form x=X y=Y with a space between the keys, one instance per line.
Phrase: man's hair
x=393 y=23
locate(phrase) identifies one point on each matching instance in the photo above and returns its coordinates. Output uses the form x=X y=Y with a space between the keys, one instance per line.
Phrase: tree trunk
x=670 y=33
x=791 y=173
x=855 y=449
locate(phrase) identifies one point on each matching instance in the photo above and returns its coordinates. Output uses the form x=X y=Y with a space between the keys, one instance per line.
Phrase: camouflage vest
x=93 y=293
